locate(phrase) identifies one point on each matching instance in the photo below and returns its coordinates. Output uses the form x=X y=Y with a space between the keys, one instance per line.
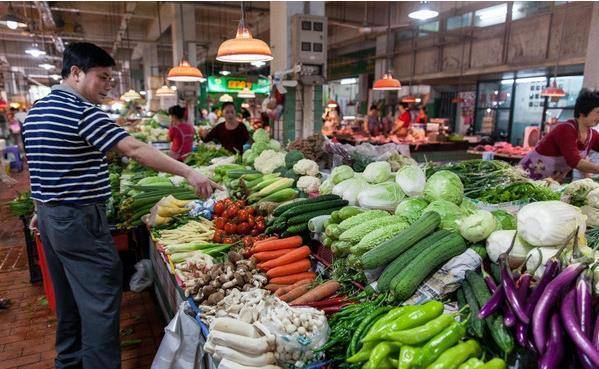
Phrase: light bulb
x=12 y=24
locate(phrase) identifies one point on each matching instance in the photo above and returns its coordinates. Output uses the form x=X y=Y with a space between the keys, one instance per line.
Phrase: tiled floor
x=27 y=327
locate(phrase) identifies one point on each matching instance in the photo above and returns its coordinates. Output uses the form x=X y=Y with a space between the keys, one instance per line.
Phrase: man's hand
x=204 y=186
x=33 y=223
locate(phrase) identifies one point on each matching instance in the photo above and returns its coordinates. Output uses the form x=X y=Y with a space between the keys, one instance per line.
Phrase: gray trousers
x=87 y=276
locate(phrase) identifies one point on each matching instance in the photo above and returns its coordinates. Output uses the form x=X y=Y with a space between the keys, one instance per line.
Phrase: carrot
x=283 y=243
x=318 y=293
x=292 y=268
x=270 y=255
x=275 y=287
x=283 y=290
x=292 y=278
x=294 y=255
x=271 y=238
x=295 y=293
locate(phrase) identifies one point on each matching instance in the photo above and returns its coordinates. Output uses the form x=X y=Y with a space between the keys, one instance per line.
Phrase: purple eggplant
x=511 y=292
x=583 y=303
x=551 y=267
x=509 y=318
x=570 y=321
x=548 y=299
x=493 y=304
x=596 y=333
x=555 y=346
x=489 y=281
x=522 y=336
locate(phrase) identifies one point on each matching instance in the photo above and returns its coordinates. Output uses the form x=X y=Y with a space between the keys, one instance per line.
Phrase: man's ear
x=75 y=72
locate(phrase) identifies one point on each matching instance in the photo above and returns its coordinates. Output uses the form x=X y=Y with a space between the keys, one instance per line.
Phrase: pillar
x=183 y=32
x=591 y=67
x=303 y=103
x=362 y=94
x=152 y=80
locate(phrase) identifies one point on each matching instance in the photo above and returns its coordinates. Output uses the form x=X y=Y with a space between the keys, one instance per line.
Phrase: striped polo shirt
x=66 y=140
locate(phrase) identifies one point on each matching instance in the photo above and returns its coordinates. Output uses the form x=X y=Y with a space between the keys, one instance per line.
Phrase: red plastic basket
x=46 y=280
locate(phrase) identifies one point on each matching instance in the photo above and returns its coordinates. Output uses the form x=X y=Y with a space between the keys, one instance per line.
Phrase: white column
x=591 y=66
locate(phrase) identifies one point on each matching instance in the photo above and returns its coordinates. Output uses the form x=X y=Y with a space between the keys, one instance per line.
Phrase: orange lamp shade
x=185 y=73
x=244 y=48
x=409 y=99
x=165 y=91
x=553 y=91
x=387 y=83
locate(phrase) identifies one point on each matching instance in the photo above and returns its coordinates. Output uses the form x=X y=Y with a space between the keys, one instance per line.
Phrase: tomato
x=228 y=202
x=230 y=228
x=255 y=232
x=251 y=221
x=240 y=203
x=243 y=214
x=218 y=236
x=248 y=241
x=219 y=208
x=219 y=223
x=260 y=226
x=244 y=228
x=259 y=219
x=232 y=211
x=251 y=210
x=228 y=240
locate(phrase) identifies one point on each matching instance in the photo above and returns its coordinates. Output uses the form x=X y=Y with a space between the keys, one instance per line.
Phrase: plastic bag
x=293 y=349
x=181 y=346
x=142 y=278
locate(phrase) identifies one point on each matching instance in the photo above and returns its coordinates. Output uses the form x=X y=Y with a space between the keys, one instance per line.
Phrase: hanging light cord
x=561 y=41
x=158 y=42
x=388 y=59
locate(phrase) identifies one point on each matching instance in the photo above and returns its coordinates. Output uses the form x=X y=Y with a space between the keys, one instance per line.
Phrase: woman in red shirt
x=180 y=133
x=567 y=146
x=402 y=124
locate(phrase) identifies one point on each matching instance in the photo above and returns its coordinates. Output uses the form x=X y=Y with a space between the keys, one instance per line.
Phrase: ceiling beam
x=129 y=10
x=46 y=16
x=83 y=11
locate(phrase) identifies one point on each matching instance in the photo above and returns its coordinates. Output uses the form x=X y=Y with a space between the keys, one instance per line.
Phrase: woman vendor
x=231 y=134
x=180 y=133
x=402 y=123
x=568 y=145
x=373 y=121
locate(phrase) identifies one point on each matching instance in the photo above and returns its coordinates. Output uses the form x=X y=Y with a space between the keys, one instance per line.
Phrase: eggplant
x=596 y=333
x=521 y=329
x=548 y=299
x=509 y=318
x=570 y=321
x=551 y=267
x=489 y=281
x=583 y=303
x=555 y=347
x=493 y=304
x=511 y=292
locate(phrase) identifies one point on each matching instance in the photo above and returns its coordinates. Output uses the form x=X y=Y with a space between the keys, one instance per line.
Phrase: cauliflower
x=308 y=184
x=306 y=167
x=268 y=161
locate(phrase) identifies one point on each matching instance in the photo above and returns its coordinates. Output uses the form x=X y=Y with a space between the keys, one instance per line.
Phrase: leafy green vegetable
x=411 y=208
x=448 y=211
x=504 y=220
x=478 y=226
x=444 y=185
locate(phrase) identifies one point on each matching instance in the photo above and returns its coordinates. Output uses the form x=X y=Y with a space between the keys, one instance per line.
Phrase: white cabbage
x=549 y=223
x=411 y=179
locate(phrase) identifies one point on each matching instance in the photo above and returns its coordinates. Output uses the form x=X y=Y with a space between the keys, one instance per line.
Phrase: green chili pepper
x=494 y=364
x=453 y=357
x=364 y=326
x=422 y=333
x=413 y=317
x=441 y=342
x=472 y=363
x=408 y=357
x=381 y=352
x=394 y=362
x=391 y=316
x=363 y=354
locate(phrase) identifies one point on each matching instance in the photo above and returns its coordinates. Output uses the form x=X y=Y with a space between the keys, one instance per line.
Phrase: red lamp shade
x=387 y=83
x=553 y=91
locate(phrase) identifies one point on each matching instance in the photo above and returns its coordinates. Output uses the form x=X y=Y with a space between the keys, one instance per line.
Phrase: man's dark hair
x=373 y=107
x=84 y=55
x=176 y=111
x=225 y=104
x=585 y=103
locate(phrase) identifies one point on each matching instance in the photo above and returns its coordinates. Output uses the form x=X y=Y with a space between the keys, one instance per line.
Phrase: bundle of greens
x=524 y=191
x=204 y=155
x=22 y=205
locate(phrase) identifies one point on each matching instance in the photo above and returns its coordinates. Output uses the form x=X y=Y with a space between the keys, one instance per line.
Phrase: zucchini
x=298 y=228
x=361 y=218
x=384 y=281
x=305 y=217
x=306 y=208
x=389 y=250
x=355 y=234
x=406 y=282
x=349 y=211
x=476 y=326
x=378 y=236
x=284 y=207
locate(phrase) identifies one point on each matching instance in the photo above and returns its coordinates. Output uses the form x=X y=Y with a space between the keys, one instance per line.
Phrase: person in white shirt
x=213 y=116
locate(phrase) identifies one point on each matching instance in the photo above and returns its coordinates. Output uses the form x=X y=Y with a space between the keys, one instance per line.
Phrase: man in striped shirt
x=66 y=139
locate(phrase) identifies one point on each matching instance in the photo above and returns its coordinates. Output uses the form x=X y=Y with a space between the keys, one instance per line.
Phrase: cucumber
x=480 y=250
x=298 y=228
x=284 y=207
x=305 y=217
x=305 y=208
x=390 y=249
x=406 y=282
x=384 y=281
x=476 y=326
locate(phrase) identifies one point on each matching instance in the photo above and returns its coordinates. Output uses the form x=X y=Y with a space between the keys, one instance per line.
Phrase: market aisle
x=27 y=327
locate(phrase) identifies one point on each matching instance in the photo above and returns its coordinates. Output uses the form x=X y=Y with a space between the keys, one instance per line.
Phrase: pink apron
x=540 y=166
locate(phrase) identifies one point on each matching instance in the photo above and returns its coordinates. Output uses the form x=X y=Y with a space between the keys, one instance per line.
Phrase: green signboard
x=236 y=84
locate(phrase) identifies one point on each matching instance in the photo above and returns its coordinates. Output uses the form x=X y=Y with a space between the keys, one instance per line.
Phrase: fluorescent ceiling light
x=531 y=79
x=258 y=64
x=424 y=12
x=35 y=51
x=349 y=81
x=46 y=66
x=224 y=72
x=507 y=81
x=55 y=77
x=13 y=22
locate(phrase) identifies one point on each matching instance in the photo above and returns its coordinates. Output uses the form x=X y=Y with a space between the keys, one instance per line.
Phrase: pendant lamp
x=184 y=72
x=387 y=83
x=226 y=98
x=332 y=104
x=424 y=12
x=553 y=91
x=246 y=93
x=130 y=95
x=243 y=48
x=409 y=99
x=165 y=91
